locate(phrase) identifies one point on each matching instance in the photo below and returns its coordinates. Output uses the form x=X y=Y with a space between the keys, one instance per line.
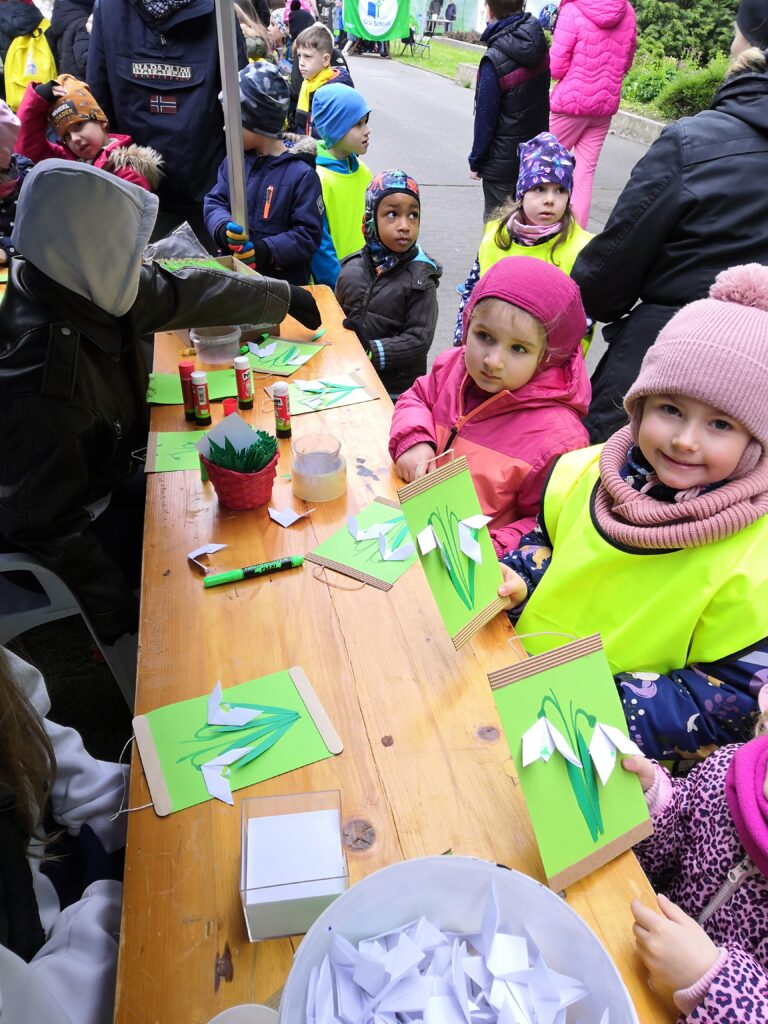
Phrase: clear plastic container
x=216 y=344
x=319 y=471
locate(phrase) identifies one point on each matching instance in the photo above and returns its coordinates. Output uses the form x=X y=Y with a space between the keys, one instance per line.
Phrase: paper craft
x=455 y=548
x=354 y=549
x=165 y=388
x=281 y=358
x=215 y=773
x=232 y=428
x=402 y=554
x=172 y=450
x=224 y=714
x=418 y=973
x=308 y=396
x=205 y=549
x=176 y=741
x=564 y=723
x=286 y=516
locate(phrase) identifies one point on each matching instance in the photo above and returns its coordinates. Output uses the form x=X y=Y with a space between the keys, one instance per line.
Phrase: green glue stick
x=249 y=571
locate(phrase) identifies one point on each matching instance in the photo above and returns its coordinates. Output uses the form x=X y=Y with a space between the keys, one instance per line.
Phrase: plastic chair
x=416 y=42
x=22 y=609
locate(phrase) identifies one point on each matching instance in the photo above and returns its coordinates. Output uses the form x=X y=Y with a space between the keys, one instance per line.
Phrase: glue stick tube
x=282 y=409
x=186 y=369
x=244 y=379
x=200 y=395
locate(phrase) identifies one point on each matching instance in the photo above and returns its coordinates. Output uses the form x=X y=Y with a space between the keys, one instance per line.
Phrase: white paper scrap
x=468 y=542
x=286 y=516
x=205 y=549
x=606 y=740
x=216 y=771
x=542 y=740
x=398 y=555
x=262 y=351
x=508 y=955
x=225 y=715
x=233 y=429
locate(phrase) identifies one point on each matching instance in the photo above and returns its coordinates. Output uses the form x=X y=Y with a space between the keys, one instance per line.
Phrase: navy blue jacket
x=160 y=84
x=293 y=223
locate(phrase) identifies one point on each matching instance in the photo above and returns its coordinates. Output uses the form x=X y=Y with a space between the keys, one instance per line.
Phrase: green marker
x=249 y=571
x=318 y=334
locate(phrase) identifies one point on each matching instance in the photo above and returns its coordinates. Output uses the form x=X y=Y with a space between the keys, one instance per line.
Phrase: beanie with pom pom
x=715 y=350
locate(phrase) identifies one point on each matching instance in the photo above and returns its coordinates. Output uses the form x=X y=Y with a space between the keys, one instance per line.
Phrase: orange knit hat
x=78 y=105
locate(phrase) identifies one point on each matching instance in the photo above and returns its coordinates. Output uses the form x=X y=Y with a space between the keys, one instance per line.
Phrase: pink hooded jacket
x=592 y=49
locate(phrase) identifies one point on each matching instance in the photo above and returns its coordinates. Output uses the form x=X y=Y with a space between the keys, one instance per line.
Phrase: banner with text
x=377 y=19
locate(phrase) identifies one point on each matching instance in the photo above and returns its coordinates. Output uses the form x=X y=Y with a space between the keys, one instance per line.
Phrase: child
x=388 y=289
x=663 y=529
x=512 y=97
x=314 y=51
x=74 y=393
x=13 y=171
x=341 y=117
x=285 y=205
x=538 y=222
x=511 y=399
x=60 y=895
x=69 y=108
x=708 y=855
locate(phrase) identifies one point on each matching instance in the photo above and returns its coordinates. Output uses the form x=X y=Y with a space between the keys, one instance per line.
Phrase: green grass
x=442 y=58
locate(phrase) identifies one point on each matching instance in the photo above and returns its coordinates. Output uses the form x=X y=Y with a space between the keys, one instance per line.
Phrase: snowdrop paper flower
x=542 y=740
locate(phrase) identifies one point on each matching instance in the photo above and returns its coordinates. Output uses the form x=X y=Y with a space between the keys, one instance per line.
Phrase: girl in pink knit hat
x=658 y=540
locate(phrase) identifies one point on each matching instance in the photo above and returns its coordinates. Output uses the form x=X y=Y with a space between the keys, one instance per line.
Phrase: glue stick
x=244 y=379
x=186 y=369
x=200 y=395
x=282 y=409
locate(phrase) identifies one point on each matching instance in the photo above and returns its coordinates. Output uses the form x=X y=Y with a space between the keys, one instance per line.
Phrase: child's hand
x=474 y=176
x=513 y=586
x=59 y=90
x=239 y=244
x=675 y=949
x=642 y=768
x=414 y=463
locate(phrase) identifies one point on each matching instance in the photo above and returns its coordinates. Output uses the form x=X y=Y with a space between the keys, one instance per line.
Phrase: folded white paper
x=215 y=773
x=222 y=714
x=542 y=740
x=262 y=351
x=286 y=516
x=398 y=554
x=606 y=740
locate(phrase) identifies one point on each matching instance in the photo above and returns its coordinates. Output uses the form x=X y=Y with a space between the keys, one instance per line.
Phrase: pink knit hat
x=542 y=290
x=9 y=130
x=715 y=350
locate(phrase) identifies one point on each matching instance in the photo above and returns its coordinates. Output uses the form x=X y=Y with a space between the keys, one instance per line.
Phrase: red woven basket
x=242 y=490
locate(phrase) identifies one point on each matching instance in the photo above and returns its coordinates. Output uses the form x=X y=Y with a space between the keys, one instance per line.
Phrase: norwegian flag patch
x=162 y=104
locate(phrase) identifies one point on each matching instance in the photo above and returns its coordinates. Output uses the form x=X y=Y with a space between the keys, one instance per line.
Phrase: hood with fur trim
x=142 y=159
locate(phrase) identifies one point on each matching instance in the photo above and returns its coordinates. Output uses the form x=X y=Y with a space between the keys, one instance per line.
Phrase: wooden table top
x=425 y=766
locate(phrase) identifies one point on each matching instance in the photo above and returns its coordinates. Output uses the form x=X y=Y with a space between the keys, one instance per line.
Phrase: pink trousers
x=584 y=136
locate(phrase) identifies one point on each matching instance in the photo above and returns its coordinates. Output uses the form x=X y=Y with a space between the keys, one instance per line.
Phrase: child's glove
x=240 y=245
x=45 y=90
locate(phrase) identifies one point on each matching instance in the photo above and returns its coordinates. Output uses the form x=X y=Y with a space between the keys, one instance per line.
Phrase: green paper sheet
x=194 y=263
x=173 y=450
x=174 y=727
x=572 y=813
x=337 y=391
x=165 y=388
x=364 y=555
x=470 y=587
x=277 y=363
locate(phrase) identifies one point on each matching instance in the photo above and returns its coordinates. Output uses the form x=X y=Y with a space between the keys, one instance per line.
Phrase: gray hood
x=85 y=229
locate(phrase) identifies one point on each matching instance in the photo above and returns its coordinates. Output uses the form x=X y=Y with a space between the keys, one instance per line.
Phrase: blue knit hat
x=336 y=109
x=543 y=160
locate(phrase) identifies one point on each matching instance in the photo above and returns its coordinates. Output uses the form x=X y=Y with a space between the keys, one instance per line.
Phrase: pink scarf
x=529 y=234
x=637 y=520
x=745 y=793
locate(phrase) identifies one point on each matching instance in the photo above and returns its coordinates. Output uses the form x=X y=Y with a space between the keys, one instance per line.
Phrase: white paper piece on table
x=262 y=351
x=216 y=782
x=541 y=741
x=398 y=555
x=232 y=428
x=286 y=516
x=370 y=532
x=205 y=549
x=218 y=715
x=468 y=543
x=606 y=740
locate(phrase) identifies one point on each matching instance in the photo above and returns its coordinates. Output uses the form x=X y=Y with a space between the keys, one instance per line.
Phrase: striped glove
x=240 y=245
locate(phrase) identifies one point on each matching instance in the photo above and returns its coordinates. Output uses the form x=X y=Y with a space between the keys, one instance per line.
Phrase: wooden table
x=425 y=766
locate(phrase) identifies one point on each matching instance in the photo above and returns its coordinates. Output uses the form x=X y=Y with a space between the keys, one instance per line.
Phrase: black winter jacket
x=394 y=314
x=73 y=392
x=69 y=36
x=518 y=52
x=695 y=204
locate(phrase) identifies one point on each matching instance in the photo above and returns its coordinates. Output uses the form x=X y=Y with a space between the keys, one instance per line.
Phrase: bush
x=678 y=25
x=464 y=37
x=692 y=90
x=648 y=77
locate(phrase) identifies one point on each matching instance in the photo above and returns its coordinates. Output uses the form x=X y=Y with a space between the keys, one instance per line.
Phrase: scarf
x=309 y=86
x=638 y=520
x=385 y=183
x=161 y=10
x=530 y=234
x=745 y=793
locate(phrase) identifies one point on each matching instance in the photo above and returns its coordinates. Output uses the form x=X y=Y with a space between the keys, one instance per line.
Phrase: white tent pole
x=233 y=124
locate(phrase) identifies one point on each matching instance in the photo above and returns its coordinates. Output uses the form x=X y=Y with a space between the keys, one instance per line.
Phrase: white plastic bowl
x=216 y=344
x=451 y=892
x=246 y=1013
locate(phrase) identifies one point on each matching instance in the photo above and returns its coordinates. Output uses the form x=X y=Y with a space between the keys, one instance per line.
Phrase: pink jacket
x=510 y=439
x=592 y=49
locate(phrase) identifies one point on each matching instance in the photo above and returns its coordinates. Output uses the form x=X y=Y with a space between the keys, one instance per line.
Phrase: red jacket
x=510 y=439
x=137 y=164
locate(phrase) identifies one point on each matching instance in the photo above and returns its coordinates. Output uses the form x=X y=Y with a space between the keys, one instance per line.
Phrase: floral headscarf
x=384 y=184
x=543 y=160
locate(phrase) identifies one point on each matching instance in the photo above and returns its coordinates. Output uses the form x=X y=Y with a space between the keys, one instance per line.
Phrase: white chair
x=22 y=609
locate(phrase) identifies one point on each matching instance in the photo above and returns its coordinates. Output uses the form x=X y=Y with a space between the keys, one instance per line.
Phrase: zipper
x=462 y=419
x=743 y=870
x=163 y=40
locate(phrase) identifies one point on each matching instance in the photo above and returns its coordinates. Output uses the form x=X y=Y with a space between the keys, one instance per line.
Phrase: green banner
x=377 y=19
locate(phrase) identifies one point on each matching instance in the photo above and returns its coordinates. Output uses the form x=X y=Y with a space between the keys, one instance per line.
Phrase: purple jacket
x=592 y=49
x=689 y=857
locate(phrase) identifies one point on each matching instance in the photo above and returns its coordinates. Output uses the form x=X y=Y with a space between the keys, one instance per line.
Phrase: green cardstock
x=171 y=450
x=278 y=362
x=579 y=823
x=332 y=393
x=165 y=388
x=193 y=263
x=182 y=740
x=466 y=591
x=363 y=557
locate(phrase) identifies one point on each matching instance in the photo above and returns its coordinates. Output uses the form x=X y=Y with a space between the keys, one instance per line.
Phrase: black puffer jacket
x=69 y=36
x=695 y=204
x=72 y=389
x=394 y=314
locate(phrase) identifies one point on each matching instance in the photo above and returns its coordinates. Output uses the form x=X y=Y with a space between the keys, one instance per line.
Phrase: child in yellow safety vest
x=538 y=222
x=658 y=539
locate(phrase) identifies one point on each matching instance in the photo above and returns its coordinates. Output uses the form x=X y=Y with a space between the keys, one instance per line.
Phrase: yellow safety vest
x=565 y=256
x=344 y=198
x=656 y=611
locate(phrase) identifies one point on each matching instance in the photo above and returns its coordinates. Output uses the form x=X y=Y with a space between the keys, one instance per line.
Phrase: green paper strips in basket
x=241 y=463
